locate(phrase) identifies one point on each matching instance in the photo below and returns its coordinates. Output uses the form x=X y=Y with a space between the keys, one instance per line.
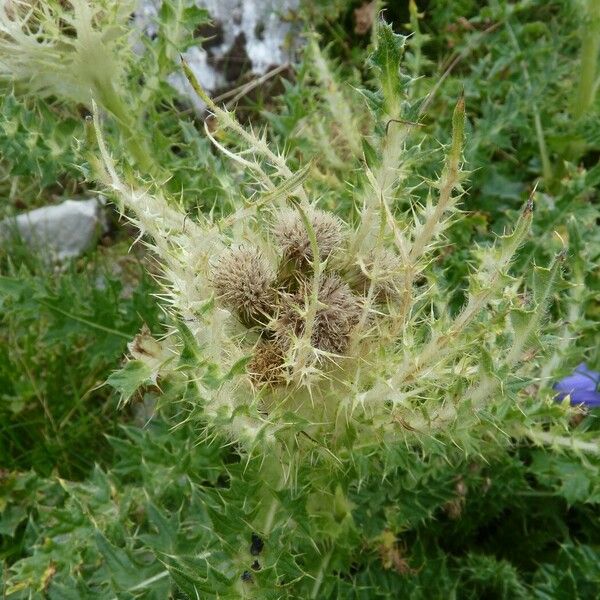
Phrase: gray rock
x=58 y=232
x=145 y=411
x=245 y=36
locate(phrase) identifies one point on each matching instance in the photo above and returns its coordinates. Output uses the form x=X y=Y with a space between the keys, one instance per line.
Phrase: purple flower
x=581 y=386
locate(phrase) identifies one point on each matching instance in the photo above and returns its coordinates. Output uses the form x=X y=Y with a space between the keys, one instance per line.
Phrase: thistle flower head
x=293 y=239
x=243 y=281
x=382 y=270
x=337 y=314
x=266 y=367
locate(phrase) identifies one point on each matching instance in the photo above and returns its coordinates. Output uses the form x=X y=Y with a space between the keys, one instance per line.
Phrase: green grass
x=96 y=503
x=63 y=330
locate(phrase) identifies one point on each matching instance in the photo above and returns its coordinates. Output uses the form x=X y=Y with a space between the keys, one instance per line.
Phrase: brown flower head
x=266 y=366
x=338 y=313
x=292 y=237
x=385 y=272
x=243 y=281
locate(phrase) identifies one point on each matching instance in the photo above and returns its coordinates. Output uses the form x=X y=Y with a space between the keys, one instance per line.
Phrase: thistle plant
x=349 y=394
x=73 y=51
x=316 y=344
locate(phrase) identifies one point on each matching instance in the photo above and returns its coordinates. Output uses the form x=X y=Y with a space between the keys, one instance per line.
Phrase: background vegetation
x=102 y=502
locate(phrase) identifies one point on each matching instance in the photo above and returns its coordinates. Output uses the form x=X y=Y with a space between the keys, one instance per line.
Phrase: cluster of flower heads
x=274 y=300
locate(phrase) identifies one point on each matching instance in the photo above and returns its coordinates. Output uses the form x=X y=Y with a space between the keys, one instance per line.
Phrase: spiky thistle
x=267 y=366
x=312 y=342
x=337 y=314
x=291 y=236
x=244 y=281
x=73 y=50
x=338 y=335
x=383 y=271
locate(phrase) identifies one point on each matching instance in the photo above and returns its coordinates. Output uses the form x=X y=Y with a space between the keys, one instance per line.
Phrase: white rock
x=58 y=232
x=260 y=26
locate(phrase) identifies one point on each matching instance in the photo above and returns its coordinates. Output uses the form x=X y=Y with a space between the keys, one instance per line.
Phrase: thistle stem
x=311 y=313
x=547 y=438
x=321 y=574
x=450 y=178
x=589 y=60
x=416 y=44
x=227 y=120
x=338 y=106
x=437 y=348
x=274 y=471
x=113 y=103
x=270 y=517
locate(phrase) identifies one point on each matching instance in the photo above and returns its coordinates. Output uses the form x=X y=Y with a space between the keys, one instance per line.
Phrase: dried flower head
x=384 y=271
x=292 y=237
x=243 y=281
x=338 y=313
x=267 y=364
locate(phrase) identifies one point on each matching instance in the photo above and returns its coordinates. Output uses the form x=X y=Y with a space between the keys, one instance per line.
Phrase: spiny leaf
x=386 y=62
x=126 y=381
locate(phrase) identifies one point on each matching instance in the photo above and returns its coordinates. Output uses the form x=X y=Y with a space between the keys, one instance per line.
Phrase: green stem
x=416 y=44
x=113 y=103
x=227 y=120
x=547 y=438
x=589 y=60
x=270 y=517
x=87 y=322
x=311 y=313
x=272 y=474
x=449 y=182
x=339 y=108
x=437 y=348
x=321 y=574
